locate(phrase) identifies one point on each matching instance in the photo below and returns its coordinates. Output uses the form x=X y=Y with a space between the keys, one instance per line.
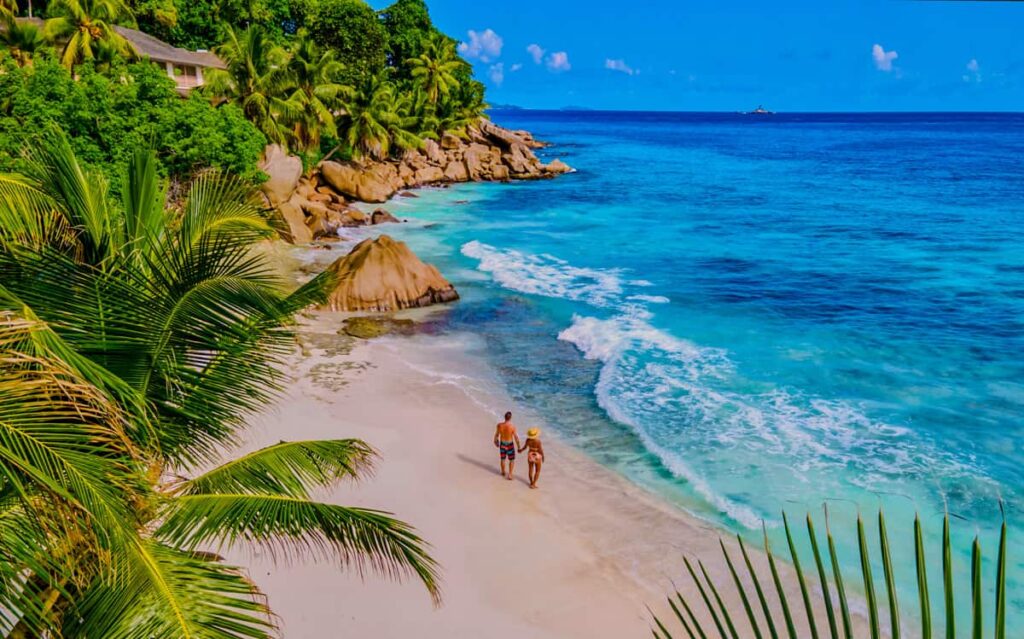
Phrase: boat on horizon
x=760 y=110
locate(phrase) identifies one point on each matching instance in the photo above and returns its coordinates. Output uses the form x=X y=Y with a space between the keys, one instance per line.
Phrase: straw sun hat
x=533 y=433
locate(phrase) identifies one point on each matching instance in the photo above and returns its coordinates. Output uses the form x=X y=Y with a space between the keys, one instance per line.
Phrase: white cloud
x=536 y=52
x=618 y=65
x=484 y=45
x=496 y=73
x=975 y=71
x=883 y=59
x=515 y=67
x=559 y=61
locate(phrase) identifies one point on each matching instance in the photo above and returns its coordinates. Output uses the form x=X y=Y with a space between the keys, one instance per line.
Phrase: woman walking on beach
x=536 y=455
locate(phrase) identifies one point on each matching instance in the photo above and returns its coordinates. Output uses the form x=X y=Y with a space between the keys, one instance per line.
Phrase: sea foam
x=691 y=409
x=546 y=275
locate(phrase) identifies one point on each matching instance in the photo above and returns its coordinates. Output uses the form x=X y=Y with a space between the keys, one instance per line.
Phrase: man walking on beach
x=507 y=440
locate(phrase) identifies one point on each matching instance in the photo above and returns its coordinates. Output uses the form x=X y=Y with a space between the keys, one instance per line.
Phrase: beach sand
x=580 y=557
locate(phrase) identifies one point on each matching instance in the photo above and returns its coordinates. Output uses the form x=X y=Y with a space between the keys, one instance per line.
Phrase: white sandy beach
x=581 y=557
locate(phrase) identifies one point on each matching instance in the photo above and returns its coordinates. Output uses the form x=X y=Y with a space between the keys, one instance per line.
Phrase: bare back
x=506 y=431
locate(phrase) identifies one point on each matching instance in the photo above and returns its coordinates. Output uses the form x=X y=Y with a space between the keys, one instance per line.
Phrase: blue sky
x=728 y=55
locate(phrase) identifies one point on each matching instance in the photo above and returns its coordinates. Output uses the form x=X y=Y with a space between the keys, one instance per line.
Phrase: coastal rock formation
x=384 y=275
x=283 y=173
x=367 y=183
x=382 y=216
x=557 y=167
x=295 y=218
x=376 y=326
x=317 y=205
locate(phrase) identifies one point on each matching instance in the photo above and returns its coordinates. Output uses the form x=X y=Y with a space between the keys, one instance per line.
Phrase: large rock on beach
x=432 y=150
x=456 y=171
x=384 y=275
x=369 y=184
x=295 y=219
x=429 y=175
x=283 y=174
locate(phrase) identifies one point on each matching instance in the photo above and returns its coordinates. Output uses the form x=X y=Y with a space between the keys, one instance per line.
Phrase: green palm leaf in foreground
x=818 y=603
x=135 y=341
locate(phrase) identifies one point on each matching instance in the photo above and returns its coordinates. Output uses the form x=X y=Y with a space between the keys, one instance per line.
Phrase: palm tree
x=134 y=342
x=82 y=24
x=256 y=79
x=435 y=68
x=374 y=123
x=316 y=92
x=819 y=605
x=22 y=39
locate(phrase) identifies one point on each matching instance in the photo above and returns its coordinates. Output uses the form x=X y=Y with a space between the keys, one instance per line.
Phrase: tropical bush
x=106 y=118
x=85 y=29
x=818 y=605
x=352 y=30
x=337 y=89
x=135 y=340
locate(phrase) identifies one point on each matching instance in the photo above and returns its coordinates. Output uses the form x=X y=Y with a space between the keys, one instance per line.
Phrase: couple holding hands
x=507 y=441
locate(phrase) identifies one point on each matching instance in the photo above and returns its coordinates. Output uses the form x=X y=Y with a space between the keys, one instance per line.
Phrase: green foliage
x=86 y=29
x=106 y=119
x=351 y=29
x=816 y=601
x=135 y=340
x=374 y=123
x=22 y=40
x=409 y=28
x=199 y=24
x=255 y=79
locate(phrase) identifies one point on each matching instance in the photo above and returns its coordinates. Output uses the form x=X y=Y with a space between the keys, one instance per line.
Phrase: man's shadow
x=492 y=469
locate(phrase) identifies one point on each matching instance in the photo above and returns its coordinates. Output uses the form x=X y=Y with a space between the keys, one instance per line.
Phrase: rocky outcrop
x=382 y=216
x=362 y=182
x=369 y=327
x=317 y=205
x=384 y=275
x=295 y=219
x=283 y=174
x=557 y=167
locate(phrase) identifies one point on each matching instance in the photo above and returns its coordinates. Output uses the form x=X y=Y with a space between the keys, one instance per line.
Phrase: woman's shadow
x=491 y=469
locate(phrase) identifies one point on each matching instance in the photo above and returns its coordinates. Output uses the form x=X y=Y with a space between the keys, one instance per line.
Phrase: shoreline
x=582 y=557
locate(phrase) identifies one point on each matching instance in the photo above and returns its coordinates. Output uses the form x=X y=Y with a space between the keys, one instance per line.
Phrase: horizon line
x=583 y=109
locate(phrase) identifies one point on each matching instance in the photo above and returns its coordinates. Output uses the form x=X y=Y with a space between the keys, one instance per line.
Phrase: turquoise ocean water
x=748 y=315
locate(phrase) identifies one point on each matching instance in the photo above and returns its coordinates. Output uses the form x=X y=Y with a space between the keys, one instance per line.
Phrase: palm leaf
x=160 y=591
x=724 y=610
x=287 y=468
x=921 y=565
x=808 y=607
x=293 y=528
x=822 y=579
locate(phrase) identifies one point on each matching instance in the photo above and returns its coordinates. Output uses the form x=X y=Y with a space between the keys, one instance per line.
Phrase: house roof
x=156 y=49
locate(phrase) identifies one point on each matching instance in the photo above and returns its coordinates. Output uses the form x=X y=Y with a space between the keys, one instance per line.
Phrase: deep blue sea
x=750 y=314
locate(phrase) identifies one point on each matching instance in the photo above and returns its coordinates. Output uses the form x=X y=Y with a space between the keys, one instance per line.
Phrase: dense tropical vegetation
x=321 y=77
x=138 y=329
x=105 y=119
x=135 y=340
x=824 y=607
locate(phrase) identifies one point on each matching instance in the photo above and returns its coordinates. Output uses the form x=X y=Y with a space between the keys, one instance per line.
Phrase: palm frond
x=287 y=468
x=161 y=591
x=818 y=603
x=293 y=528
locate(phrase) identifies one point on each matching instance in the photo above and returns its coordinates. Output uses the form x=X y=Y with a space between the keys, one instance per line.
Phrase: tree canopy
x=107 y=118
